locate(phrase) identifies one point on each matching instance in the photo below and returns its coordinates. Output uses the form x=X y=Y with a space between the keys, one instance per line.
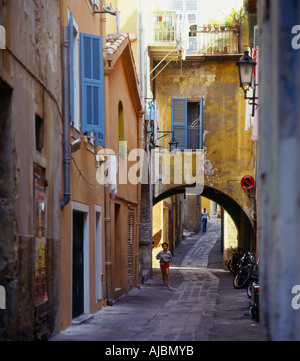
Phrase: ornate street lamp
x=173 y=143
x=246 y=66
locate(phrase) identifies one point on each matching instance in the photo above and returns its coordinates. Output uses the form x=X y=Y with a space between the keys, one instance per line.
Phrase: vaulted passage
x=245 y=230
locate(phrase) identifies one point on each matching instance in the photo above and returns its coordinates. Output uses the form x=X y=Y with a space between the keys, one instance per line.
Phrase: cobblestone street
x=202 y=306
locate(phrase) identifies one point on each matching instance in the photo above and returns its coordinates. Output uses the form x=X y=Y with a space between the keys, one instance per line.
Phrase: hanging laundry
x=146 y=115
x=152 y=113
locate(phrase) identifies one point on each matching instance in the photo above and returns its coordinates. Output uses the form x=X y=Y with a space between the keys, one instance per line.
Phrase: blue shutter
x=179 y=121
x=71 y=68
x=92 y=87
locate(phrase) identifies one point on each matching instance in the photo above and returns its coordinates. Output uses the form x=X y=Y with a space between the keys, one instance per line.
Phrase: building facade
x=30 y=176
x=100 y=220
x=194 y=82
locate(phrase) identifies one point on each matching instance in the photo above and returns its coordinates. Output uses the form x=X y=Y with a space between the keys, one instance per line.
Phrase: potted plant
x=235 y=18
x=210 y=48
x=215 y=24
x=216 y=48
x=228 y=23
x=222 y=45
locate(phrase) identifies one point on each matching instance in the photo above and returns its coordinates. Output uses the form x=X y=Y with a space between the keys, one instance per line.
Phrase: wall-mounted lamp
x=173 y=142
x=246 y=67
x=75 y=146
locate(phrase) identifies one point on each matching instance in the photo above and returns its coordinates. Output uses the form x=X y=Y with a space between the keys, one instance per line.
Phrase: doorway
x=78 y=264
x=118 y=244
x=98 y=254
x=80 y=260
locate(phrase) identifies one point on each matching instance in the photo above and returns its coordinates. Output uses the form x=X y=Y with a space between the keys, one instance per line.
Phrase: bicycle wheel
x=241 y=279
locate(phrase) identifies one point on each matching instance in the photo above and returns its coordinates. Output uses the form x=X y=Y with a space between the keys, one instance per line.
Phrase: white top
x=204 y=214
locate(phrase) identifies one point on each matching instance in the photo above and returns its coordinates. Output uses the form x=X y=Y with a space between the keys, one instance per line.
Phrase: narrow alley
x=202 y=306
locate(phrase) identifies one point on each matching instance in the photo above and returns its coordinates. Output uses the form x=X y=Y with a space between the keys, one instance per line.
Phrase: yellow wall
x=230 y=153
x=128 y=20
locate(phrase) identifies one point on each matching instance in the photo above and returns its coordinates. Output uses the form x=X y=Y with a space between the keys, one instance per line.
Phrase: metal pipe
x=66 y=117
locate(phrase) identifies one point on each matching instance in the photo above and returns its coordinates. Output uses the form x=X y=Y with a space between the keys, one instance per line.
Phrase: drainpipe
x=66 y=118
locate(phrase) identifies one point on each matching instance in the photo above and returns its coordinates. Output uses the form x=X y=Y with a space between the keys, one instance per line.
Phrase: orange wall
x=119 y=91
x=87 y=22
x=84 y=187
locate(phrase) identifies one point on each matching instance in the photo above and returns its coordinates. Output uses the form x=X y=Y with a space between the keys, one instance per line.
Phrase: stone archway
x=245 y=229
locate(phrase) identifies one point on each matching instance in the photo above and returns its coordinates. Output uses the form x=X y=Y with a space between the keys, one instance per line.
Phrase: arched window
x=121 y=121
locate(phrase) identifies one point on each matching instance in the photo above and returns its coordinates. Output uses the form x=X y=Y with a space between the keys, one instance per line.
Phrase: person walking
x=205 y=215
x=165 y=258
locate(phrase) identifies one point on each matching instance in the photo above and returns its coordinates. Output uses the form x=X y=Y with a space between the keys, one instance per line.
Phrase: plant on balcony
x=235 y=18
x=221 y=45
x=210 y=48
x=216 y=49
x=214 y=23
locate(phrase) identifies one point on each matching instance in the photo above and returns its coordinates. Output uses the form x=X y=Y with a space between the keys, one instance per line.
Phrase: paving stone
x=202 y=306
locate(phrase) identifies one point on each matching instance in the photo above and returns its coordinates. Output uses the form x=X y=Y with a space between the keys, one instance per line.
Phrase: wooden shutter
x=71 y=34
x=130 y=242
x=92 y=86
x=179 y=121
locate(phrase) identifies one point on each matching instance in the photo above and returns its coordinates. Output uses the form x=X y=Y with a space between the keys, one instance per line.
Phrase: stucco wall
x=229 y=151
x=31 y=67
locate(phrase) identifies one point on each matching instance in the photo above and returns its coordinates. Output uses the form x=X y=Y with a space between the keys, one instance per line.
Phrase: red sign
x=248 y=182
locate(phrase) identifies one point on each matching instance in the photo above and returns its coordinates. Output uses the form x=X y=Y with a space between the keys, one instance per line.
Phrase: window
x=188 y=9
x=39 y=133
x=187 y=123
x=92 y=87
x=121 y=122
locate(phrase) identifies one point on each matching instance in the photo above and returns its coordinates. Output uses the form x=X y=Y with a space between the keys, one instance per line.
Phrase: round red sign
x=248 y=182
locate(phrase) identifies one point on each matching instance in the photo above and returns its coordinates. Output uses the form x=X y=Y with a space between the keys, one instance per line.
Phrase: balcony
x=165 y=38
x=208 y=40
